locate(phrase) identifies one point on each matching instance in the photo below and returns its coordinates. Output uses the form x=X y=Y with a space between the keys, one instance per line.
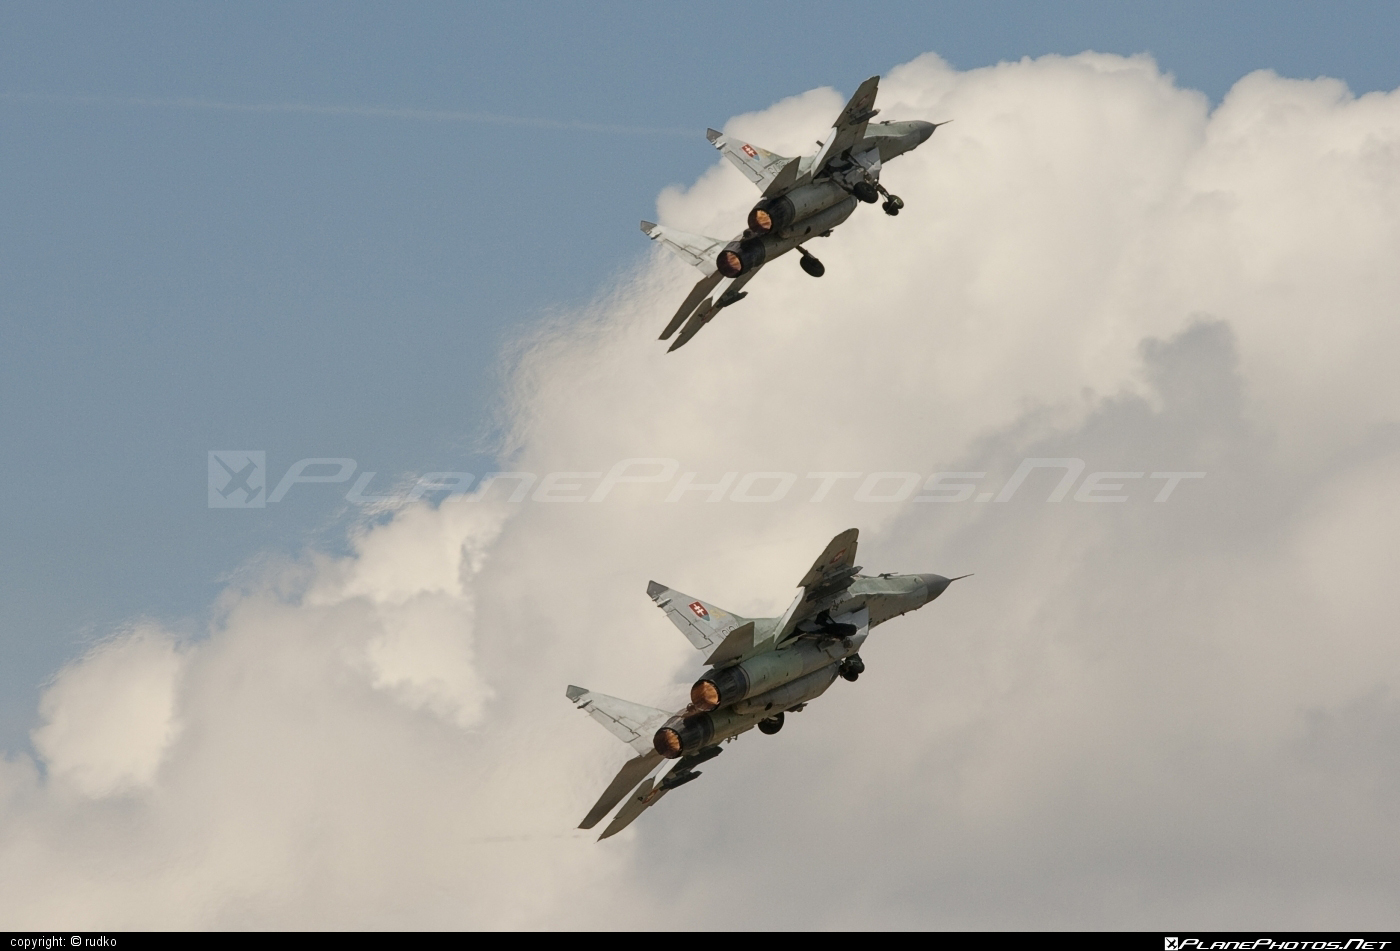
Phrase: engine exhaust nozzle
x=667 y=742
x=704 y=696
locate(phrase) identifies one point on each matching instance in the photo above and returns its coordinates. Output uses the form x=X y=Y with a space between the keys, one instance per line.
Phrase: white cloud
x=109 y=716
x=1134 y=715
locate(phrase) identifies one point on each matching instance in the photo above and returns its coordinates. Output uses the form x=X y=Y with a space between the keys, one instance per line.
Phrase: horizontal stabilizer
x=704 y=625
x=694 y=249
x=759 y=166
x=633 y=723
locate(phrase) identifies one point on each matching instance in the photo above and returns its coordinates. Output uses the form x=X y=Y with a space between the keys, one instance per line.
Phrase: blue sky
x=179 y=277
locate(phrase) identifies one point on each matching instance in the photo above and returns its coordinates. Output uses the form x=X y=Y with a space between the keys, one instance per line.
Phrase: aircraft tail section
x=759 y=165
x=704 y=625
x=633 y=772
x=697 y=250
x=633 y=723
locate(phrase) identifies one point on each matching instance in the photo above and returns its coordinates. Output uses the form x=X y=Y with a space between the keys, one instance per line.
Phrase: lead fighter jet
x=760 y=668
x=803 y=198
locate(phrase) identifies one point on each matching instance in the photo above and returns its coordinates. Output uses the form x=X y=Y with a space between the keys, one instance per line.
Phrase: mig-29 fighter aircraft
x=803 y=198
x=760 y=668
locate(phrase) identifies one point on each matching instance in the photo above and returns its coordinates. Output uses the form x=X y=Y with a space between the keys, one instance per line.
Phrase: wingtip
x=712 y=135
x=648 y=227
x=573 y=693
x=655 y=589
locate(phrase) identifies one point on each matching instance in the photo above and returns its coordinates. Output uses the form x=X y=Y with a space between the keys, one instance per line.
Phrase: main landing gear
x=851 y=668
x=866 y=192
x=870 y=192
x=810 y=264
x=771 y=725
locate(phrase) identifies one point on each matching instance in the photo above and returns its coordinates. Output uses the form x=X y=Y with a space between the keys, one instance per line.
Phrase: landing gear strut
x=892 y=203
x=851 y=668
x=771 y=725
x=810 y=264
x=866 y=192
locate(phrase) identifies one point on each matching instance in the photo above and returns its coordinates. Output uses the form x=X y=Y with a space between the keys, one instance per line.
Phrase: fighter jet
x=759 y=670
x=803 y=198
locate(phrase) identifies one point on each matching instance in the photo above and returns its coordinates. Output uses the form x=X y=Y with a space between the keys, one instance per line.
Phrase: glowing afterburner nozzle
x=704 y=695
x=667 y=742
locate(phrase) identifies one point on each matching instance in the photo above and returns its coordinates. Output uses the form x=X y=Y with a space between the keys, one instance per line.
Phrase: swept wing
x=831 y=572
x=839 y=559
x=850 y=125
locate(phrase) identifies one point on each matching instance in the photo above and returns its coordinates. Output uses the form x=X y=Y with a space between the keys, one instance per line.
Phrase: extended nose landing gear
x=810 y=264
x=892 y=203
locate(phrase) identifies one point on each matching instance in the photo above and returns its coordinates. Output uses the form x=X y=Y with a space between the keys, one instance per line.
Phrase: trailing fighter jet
x=803 y=198
x=759 y=669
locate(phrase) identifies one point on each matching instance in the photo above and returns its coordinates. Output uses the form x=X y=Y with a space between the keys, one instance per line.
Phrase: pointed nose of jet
x=922 y=130
x=934 y=585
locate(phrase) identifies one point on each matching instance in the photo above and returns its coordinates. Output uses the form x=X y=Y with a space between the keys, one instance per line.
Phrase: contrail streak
x=369 y=112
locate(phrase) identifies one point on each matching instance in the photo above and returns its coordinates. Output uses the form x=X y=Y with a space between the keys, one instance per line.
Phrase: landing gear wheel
x=866 y=192
x=771 y=725
x=811 y=265
x=851 y=668
x=892 y=202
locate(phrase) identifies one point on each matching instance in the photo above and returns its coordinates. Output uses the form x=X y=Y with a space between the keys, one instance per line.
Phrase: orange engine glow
x=704 y=696
x=667 y=742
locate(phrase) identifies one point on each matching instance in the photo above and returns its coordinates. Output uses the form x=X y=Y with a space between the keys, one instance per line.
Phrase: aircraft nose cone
x=936 y=585
x=923 y=130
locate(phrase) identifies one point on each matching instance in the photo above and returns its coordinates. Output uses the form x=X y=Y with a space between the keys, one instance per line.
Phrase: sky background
x=180 y=279
x=183 y=274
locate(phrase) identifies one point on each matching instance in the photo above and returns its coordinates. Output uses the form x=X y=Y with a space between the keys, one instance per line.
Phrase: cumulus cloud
x=1136 y=714
x=109 y=716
